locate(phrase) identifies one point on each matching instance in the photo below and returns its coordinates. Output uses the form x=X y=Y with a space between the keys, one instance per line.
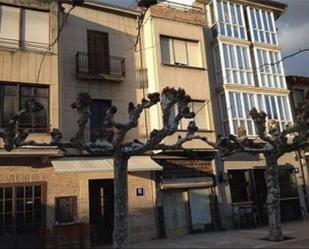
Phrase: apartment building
x=28 y=70
x=175 y=56
x=299 y=86
x=98 y=57
x=245 y=51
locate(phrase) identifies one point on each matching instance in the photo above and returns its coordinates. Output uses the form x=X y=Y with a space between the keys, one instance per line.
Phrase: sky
x=293 y=31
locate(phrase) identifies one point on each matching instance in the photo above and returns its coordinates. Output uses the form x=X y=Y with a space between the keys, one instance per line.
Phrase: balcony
x=93 y=66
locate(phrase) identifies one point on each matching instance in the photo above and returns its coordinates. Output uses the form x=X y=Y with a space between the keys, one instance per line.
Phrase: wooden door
x=98 y=52
x=101 y=211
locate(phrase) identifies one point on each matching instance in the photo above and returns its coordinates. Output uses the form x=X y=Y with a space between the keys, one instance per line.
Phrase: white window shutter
x=180 y=52
x=9 y=26
x=194 y=54
x=36 y=29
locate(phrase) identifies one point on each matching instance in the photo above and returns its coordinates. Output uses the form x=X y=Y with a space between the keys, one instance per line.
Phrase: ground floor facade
x=244 y=190
x=43 y=207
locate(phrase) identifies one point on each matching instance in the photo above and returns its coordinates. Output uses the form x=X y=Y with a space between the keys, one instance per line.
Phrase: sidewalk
x=249 y=238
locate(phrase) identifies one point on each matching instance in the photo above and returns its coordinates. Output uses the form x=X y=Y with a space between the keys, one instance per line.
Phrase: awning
x=95 y=164
x=198 y=182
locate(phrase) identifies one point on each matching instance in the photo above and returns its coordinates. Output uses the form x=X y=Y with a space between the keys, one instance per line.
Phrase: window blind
x=36 y=29
x=9 y=25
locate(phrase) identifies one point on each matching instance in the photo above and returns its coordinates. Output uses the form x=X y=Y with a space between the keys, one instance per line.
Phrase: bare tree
x=275 y=144
x=110 y=141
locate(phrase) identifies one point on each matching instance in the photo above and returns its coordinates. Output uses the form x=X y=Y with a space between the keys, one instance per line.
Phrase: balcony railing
x=100 y=67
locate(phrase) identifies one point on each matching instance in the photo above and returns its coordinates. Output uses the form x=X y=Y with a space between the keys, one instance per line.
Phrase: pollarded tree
x=110 y=141
x=275 y=144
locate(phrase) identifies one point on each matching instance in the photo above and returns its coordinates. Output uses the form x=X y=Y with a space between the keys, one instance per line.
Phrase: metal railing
x=92 y=65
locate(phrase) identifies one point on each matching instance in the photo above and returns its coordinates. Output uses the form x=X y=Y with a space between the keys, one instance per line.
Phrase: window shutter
x=194 y=54
x=180 y=52
x=9 y=26
x=36 y=29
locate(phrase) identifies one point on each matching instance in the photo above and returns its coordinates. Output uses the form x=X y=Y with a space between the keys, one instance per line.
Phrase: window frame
x=173 y=62
x=278 y=100
x=72 y=198
x=207 y=123
x=21 y=43
x=239 y=25
x=18 y=86
x=43 y=198
x=225 y=58
x=257 y=14
x=274 y=75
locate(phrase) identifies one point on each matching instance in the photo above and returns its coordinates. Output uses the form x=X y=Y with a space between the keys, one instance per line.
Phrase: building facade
x=299 y=86
x=248 y=73
x=175 y=56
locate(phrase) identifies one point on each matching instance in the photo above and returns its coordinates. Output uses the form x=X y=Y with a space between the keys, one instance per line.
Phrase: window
x=180 y=52
x=269 y=68
x=201 y=116
x=236 y=64
x=13 y=98
x=298 y=97
x=25 y=28
x=277 y=108
x=98 y=109
x=66 y=209
x=240 y=106
x=239 y=185
x=231 y=20
x=262 y=26
x=21 y=209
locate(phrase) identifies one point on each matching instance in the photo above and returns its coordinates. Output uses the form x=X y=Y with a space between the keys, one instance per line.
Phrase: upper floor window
x=298 y=97
x=262 y=26
x=24 y=28
x=277 y=108
x=231 y=20
x=235 y=108
x=236 y=64
x=13 y=98
x=270 y=68
x=240 y=106
x=199 y=107
x=180 y=52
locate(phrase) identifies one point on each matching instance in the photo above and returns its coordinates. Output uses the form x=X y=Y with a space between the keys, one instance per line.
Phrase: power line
x=50 y=46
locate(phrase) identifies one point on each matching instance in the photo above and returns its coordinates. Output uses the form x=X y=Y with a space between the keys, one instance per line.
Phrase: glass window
x=66 y=209
x=201 y=116
x=262 y=26
x=240 y=104
x=298 y=97
x=236 y=64
x=180 y=52
x=231 y=22
x=25 y=204
x=13 y=98
x=270 y=68
x=25 y=28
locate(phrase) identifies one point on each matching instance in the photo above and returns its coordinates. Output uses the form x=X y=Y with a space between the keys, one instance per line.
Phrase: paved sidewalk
x=249 y=238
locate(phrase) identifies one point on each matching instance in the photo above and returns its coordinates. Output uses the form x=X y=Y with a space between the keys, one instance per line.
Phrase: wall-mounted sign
x=140 y=192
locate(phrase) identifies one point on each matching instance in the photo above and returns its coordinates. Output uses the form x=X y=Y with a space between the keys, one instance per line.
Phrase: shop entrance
x=101 y=211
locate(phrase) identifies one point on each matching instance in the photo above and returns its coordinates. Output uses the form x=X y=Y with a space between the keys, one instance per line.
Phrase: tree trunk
x=120 y=234
x=273 y=198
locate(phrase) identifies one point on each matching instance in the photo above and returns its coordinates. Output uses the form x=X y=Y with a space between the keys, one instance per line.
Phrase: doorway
x=98 y=52
x=101 y=211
